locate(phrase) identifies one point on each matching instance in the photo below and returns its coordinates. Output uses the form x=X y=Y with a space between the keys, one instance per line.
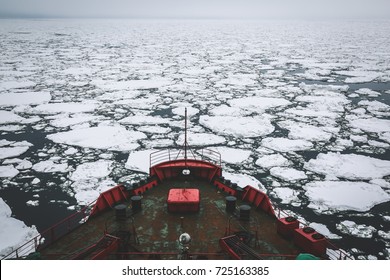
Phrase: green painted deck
x=153 y=232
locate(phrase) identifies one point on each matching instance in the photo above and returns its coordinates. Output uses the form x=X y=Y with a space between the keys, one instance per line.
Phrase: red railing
x=175 y=154
x=52 y=234
x=108 y=198
x=333 y=252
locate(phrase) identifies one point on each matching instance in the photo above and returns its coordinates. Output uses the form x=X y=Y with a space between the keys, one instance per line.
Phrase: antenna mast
x=185 y=136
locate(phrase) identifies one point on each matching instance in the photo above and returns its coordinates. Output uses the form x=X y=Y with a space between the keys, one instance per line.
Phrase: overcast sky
x=261 y=9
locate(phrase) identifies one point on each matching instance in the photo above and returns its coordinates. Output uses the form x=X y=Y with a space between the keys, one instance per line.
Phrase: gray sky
x=262 y=9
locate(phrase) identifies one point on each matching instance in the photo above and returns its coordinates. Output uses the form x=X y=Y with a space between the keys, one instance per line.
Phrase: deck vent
x=120 y=212
x=245 y=211
x=136 y=203
x=230 y=204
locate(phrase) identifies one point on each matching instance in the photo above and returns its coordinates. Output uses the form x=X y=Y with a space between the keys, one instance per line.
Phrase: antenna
x=185 y=136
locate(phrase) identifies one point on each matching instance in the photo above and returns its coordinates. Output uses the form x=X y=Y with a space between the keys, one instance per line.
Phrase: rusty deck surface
x=153 y=232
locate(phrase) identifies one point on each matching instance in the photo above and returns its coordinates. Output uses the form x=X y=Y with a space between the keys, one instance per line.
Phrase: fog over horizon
x=219 y=9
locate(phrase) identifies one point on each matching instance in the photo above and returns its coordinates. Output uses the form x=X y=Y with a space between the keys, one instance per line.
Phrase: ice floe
x=119 y=96
x=243 y=180
x=7 y=117
x=201 y=139
x=287 y=173
x=87 y=191
x=233 y=155
x=384 y=234
x=9 y=152
x=21 y=164
x=13 y=232
x=179 y=110
x=144 y=120
x=65 y=120
x=359 y=138
x=138 y=103
x=258 y=104
x=381 y=182
x=323 y=229
x=132 y=84
x=90 y=179
x=35 y=181
x=4 y=142
x=158 y=143
x=139 y=160
x=32 y=202
x=287 y=195
x=371 y=124
x=328 y=101
x=78 y=71
x=385 y=136
x=114 y=138
x=306 y=131
x=70 y=107
x=325 y=196
x=70 y=151
x=11 y=127
x=376 y=107
x=286 y=145
x=321 y=114
x=90 y=170
x=8 y=171
x=154 y=129
x=237 y=80
x=225 y=110
x=50 y=166
x=239 y=127
x=351 y=228
x=7 y=85
x=24 y=98
x=269 y=161
x=359 y=76
x=345 y=166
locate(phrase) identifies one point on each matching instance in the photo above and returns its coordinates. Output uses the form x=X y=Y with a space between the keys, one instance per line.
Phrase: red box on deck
x=311 y=242
x=286 y=226
x=183 y=200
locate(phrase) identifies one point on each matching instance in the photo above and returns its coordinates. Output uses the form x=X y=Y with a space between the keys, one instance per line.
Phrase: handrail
x=52 y=234
x=205 y=154
x=333 y=252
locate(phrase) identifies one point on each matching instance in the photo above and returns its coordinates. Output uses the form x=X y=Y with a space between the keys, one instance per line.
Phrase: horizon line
x=308 y=18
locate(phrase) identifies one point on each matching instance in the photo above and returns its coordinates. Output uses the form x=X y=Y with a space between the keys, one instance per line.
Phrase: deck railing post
x=52 y=234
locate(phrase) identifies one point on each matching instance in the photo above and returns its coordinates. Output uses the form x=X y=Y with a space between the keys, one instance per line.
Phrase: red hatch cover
x=183 y=200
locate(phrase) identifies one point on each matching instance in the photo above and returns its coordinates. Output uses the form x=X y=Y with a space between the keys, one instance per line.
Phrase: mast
x=185 y=136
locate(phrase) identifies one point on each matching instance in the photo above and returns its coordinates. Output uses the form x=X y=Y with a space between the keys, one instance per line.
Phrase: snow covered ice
x=102 y=137
x=90 y=179
x=13 y=232
x=337 y=195
x=344 y=166
x=306 y=120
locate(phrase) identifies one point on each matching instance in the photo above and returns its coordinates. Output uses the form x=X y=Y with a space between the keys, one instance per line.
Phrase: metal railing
x=47 y=237
x=333 y=252
x=204 y=154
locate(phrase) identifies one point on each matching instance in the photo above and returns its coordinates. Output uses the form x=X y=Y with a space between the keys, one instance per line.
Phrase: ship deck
x=153 y=232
